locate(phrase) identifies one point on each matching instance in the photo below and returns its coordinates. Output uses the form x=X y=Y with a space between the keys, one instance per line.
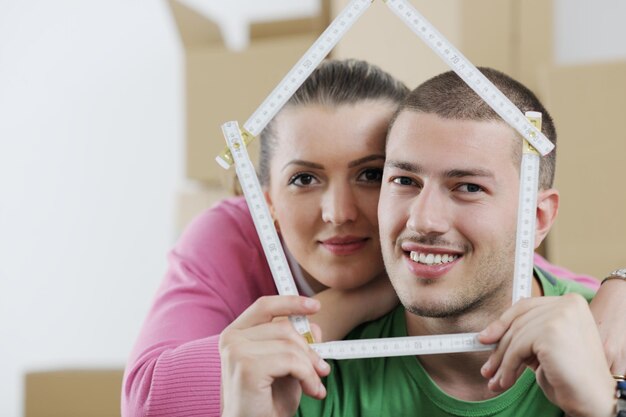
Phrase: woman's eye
x=470 y=188
x=302 y=180
x=371 y=175
x=403 y=181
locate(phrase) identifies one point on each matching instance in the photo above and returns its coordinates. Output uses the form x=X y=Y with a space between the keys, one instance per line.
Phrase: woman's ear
x=268 y=199
x=547 y=209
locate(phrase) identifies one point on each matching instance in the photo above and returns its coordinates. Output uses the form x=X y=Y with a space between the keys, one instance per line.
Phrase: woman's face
x=324 y=184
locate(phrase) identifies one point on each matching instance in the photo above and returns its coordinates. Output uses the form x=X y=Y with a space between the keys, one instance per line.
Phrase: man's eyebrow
x=405 y=166
x=366 y=159
x=453 y=173
x=470 y=172
x=303 y=163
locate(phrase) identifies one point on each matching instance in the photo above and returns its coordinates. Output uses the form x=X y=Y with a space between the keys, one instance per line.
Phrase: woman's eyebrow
x=369 y=158
x=301 y=162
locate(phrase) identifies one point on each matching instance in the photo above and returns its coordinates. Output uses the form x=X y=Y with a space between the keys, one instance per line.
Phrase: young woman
x=321 y=163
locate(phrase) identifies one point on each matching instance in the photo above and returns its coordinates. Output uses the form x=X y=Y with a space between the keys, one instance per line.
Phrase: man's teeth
x=431 y=258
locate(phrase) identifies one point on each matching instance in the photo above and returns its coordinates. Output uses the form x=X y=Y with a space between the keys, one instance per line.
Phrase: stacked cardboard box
x=73 y=393
x=587 y=102
x=513 y=36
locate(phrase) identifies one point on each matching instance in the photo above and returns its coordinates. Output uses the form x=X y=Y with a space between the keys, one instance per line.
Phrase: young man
x=447 y=216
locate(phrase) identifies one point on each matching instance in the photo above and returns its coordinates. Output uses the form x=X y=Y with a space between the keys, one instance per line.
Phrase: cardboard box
x=488 y=32
x=73 y=393
x=587 y=104
x=222 y=85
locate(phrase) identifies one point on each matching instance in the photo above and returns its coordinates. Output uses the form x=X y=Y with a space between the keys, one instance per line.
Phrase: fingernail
x=323 y=365
x=321 y=391
x=485 y=367
x=311 y=303
x=483 y=333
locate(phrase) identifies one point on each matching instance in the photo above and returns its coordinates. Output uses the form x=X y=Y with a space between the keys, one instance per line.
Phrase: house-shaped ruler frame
x=535 y=143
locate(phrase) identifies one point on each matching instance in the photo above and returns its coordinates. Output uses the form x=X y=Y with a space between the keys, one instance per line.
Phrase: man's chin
x=441 y=310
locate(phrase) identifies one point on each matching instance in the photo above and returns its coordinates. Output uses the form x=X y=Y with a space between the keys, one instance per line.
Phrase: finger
x=259 y=364
x=495 y=330
x=284 y=331
x=494 y=368
x=500 y=332
x=266 y=308
x=519 y=351
x=275 y=330
x=288 y=359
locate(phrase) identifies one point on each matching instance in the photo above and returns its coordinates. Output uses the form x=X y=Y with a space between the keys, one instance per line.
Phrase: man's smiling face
x=447 y=212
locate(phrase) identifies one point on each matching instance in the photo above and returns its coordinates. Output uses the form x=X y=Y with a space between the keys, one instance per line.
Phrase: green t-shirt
x=399 y=386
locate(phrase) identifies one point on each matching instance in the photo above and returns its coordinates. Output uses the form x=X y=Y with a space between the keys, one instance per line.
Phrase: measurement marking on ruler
x=526 y=219
x=263 y=221
x=401 y=346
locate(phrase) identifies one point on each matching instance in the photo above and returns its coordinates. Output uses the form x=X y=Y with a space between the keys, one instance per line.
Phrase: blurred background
x=109 y=123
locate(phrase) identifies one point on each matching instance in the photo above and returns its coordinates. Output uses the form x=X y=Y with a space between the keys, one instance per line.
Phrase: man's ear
x=547 y=209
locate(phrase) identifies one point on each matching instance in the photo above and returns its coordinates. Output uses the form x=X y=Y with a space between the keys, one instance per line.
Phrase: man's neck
x=459 y=374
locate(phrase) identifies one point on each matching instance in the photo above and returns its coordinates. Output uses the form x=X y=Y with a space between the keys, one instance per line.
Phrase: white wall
x=589 y=31
x=91 y=136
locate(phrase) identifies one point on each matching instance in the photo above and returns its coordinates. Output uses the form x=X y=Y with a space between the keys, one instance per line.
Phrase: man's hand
x=609 y=311
x=558 y=339
x=267 y=365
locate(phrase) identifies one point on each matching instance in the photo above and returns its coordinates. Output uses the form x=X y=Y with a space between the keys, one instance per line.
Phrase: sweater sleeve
x=216 y=270
x=560 y=272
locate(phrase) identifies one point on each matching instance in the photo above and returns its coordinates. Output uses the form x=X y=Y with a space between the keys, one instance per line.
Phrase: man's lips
x=344 y=245
x=429 y=262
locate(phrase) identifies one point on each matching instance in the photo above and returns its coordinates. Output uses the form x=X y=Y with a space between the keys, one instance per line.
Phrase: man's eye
x=302 y=180
x=470 y=188
x=403 y=181
x=371 y=175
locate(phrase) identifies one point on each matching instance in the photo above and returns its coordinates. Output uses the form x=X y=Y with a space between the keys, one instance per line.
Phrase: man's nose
x=429 y=213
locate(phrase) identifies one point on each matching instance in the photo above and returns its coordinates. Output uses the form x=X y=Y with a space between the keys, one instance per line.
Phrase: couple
x=449 y=192
x=322 y=161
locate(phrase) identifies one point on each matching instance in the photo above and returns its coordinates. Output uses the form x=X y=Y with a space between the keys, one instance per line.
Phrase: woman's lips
x=345 y=245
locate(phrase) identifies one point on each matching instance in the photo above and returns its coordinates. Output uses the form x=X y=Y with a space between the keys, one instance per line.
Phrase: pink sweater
x=216 y=270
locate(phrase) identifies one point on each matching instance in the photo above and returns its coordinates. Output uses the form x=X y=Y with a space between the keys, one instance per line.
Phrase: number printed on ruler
x=305 y=66
x=470 y=74
x=262 y=219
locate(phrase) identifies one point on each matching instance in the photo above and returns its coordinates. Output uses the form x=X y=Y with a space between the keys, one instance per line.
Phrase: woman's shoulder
x=227 y=221
x=229 y=212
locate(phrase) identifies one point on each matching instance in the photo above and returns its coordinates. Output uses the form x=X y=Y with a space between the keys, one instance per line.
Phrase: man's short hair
x=448 y=96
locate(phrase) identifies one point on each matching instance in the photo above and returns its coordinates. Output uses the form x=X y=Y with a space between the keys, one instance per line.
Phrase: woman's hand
x=267 y=365
x=609 y=310
x=343 y=310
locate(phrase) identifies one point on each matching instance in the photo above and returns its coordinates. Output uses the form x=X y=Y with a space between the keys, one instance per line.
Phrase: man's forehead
x=418 y=127
x=457 y=144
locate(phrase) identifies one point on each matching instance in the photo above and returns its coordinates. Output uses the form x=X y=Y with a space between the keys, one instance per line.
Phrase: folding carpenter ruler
x=535 y=143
